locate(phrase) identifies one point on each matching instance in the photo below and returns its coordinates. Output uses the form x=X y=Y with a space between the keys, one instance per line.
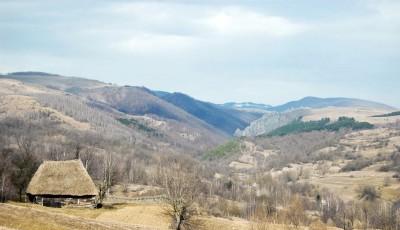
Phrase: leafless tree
x=108 y=171
x=181 y=190
x=296 y=213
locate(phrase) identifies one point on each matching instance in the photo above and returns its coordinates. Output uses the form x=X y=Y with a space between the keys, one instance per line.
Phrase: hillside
x=54 y=80
x=80 y=112
x=299 y=126
x=339 y=162
x=316 y=102
x=273 y=120
x=223 y=118
x=141 y=101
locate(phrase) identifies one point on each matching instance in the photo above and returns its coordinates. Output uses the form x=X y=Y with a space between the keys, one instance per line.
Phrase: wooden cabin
x=59 y=183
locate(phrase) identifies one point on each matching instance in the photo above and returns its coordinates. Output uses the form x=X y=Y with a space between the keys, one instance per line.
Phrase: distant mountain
x=221 y=117
x=54 y=81
x=313 y=108
x=316 y=102
x=132 y=100
x=135 y=101
x=130 y=113
x=247 y=106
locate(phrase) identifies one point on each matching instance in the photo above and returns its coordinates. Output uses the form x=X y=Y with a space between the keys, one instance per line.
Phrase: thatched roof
x=66 y=178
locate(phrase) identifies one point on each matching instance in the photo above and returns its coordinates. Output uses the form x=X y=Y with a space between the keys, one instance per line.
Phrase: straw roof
x=66 y=178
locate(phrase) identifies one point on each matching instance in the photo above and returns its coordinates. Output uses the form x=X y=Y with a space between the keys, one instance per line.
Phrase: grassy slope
x=140 y=216
x=223 y=150
x=33 y=217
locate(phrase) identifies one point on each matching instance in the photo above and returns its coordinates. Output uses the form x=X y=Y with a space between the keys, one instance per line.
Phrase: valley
x=301 y=165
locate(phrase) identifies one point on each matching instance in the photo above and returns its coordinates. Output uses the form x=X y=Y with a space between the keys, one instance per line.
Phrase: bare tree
x=181 y=190
x=368 y=192
x=108 y=172
x=296 y=213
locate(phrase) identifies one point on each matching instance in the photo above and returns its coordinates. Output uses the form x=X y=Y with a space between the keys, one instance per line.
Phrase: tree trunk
x=179 y=223
x=20 y=194
x=3 y=178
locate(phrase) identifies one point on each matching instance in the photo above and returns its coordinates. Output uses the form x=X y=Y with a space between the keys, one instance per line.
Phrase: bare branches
x=181 y=190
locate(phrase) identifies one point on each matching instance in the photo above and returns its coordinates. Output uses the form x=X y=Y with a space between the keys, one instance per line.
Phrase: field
x=33 y=217
x=360 y=114
x=347 y=183
x=125 y=217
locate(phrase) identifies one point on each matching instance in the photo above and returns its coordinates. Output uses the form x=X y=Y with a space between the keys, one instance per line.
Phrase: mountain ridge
x=318 y=102
x=226 y=119
x=135 y=100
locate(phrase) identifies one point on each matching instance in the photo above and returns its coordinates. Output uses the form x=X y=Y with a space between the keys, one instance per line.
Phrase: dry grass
x=345 y=184
x=17 y=105
x=147 y=215
x=369 y=143
x=41 y=218
x=215 y=223
x=9 y=86
x=360 y=114
x=4 y=228
x=141 y=216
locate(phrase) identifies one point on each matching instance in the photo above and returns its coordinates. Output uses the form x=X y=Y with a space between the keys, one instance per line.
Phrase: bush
x=356 y=165
x=368 y=192
x=385 y=168
x=228 y=148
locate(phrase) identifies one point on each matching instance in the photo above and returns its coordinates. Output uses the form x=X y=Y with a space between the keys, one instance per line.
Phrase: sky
x=214 y=50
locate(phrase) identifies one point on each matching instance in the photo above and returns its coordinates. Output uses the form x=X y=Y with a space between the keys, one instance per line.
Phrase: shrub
x=368 y=192
x=356 y=165
x=223 y=150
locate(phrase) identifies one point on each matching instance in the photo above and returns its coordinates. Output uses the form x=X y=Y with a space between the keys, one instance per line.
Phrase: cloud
x=157 y=27
x=235 y=21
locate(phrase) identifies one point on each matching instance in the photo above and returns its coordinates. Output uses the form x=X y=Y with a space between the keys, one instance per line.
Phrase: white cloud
x=236 y=21
x=156 y=27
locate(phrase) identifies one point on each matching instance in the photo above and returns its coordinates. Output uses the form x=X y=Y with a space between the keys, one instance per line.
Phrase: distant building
x=58 y=183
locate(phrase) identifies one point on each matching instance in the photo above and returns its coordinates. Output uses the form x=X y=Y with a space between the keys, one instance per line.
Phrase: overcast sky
x=218 y=51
